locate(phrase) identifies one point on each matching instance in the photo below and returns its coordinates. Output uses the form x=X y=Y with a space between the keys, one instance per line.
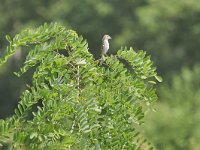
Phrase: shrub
x=73 y=102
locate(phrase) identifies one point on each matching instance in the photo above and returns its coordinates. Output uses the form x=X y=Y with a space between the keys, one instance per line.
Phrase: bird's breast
x=105 y=46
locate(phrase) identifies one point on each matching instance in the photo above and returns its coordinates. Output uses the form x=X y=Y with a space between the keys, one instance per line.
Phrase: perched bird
x=105 y=47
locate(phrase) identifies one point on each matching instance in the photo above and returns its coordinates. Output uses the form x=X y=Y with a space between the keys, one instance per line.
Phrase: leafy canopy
x=80 y=104
x=178 y=126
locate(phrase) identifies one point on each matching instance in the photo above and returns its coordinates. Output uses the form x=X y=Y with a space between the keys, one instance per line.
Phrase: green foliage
x=171 y=29
x=176 y=123
x=73 y=102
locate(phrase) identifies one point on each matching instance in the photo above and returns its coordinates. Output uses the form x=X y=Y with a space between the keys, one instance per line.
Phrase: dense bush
x=73 y=102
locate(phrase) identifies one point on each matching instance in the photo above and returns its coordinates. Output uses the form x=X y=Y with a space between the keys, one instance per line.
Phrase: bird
x=105 y=46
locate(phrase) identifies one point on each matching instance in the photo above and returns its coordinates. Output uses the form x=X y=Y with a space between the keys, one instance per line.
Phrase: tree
x=171 y=31
x=178 y=111
x=73 y=102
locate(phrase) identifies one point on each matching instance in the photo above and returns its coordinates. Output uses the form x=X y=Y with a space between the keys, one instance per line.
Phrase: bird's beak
x=110 y=37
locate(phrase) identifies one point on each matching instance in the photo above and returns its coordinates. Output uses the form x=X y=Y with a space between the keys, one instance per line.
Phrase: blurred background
x=168 y=30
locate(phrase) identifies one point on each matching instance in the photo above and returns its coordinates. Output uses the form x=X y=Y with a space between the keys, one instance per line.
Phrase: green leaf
x=152 y=82
x=8 y=38
x=159 y=78
x=81 y=62
x=33 y=135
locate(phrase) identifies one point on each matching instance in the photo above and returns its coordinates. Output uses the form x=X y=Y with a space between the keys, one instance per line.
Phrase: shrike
x=105 y=46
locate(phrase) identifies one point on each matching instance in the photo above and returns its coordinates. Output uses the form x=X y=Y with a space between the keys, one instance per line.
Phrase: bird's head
x=106 y=37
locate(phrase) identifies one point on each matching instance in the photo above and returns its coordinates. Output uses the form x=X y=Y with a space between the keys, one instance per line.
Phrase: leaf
x=81 y=62
x=33 y=135
x=152 y=82
x=8 y=38
x=159 y=78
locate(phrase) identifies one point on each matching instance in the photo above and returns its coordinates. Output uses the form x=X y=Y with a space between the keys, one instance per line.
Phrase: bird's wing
x=103 y=52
